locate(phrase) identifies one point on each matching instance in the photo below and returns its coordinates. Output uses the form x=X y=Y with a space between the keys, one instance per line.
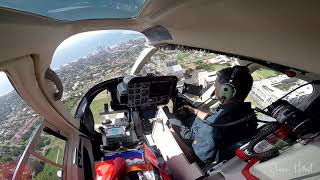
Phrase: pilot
x=210 y=143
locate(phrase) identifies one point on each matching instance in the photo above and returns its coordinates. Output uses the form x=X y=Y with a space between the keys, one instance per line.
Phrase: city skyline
x=83 y=44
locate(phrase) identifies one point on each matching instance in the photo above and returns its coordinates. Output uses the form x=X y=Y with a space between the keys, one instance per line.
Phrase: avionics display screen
x=160 y=89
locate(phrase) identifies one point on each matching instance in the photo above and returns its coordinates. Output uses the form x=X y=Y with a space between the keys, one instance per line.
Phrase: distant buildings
x=206 y=78
x=108 y=62
x=175 y=70
x=267 y=91
x=149 y=69
x=171 y=62
x=220 y=59
x=168 y=67
x=75 y=85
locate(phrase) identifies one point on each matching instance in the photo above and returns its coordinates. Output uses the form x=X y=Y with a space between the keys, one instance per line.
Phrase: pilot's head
x=233 y=83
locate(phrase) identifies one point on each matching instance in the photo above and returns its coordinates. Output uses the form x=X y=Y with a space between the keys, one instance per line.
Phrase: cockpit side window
x=270 y=85
x=46 y=160
x=18 y=122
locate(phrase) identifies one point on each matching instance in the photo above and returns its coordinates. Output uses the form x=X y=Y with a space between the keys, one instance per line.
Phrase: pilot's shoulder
x=214 y=115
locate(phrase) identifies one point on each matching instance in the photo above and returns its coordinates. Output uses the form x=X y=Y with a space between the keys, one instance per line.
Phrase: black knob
x=144 y=92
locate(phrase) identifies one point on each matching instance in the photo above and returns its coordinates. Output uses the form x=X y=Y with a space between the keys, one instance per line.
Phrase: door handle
x=52 y=76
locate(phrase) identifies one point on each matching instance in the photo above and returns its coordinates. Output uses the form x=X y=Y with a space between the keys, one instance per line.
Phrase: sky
x=78 y=46
x=83 y=44
x=5 y=85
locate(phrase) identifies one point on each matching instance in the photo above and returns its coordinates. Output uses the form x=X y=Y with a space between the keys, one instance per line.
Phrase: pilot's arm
x=200 y=114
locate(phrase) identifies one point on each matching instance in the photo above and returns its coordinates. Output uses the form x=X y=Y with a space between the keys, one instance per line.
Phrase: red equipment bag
x=110 y=169
x=113 y=168
x=152 y=158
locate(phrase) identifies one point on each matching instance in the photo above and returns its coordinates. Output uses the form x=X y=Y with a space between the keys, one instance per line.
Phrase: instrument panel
x=147 y=91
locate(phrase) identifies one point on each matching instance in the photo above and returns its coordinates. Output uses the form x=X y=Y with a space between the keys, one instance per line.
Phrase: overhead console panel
x=148 y=91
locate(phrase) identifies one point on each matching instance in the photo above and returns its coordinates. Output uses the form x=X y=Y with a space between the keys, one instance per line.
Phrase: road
x=18 y=136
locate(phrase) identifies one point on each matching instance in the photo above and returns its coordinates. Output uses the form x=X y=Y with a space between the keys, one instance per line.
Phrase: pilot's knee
x=186 y=133
x=174 y=121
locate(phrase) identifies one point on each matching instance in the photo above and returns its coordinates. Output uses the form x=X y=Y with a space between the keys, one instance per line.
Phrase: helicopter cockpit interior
x=137 y=112
x=135 y=116
x=125 y=87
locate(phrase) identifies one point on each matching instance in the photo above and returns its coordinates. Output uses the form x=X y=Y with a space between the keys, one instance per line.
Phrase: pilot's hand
x=189 y=108
x=182 y=108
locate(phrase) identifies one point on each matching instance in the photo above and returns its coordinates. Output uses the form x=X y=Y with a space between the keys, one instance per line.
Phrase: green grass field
x=55 y=154
x=97 y=106
x=284 y=87
x=264 y=74
x=211 y=67
x=186 y=57
x=72 y=103
x=49 y=173
x=253 y=102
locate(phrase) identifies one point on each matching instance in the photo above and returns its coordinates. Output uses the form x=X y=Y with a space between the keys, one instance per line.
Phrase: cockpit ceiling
x=283 y=32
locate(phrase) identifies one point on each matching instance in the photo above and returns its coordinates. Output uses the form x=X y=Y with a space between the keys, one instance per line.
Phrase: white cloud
x=3 y=77
x=5 y=85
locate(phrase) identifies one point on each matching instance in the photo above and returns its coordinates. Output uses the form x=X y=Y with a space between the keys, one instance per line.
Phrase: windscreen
x=78 y=10
x=89 y=58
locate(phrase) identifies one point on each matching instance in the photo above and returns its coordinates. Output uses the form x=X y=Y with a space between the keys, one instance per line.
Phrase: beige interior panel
x=282 y=32
x=21 y=73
